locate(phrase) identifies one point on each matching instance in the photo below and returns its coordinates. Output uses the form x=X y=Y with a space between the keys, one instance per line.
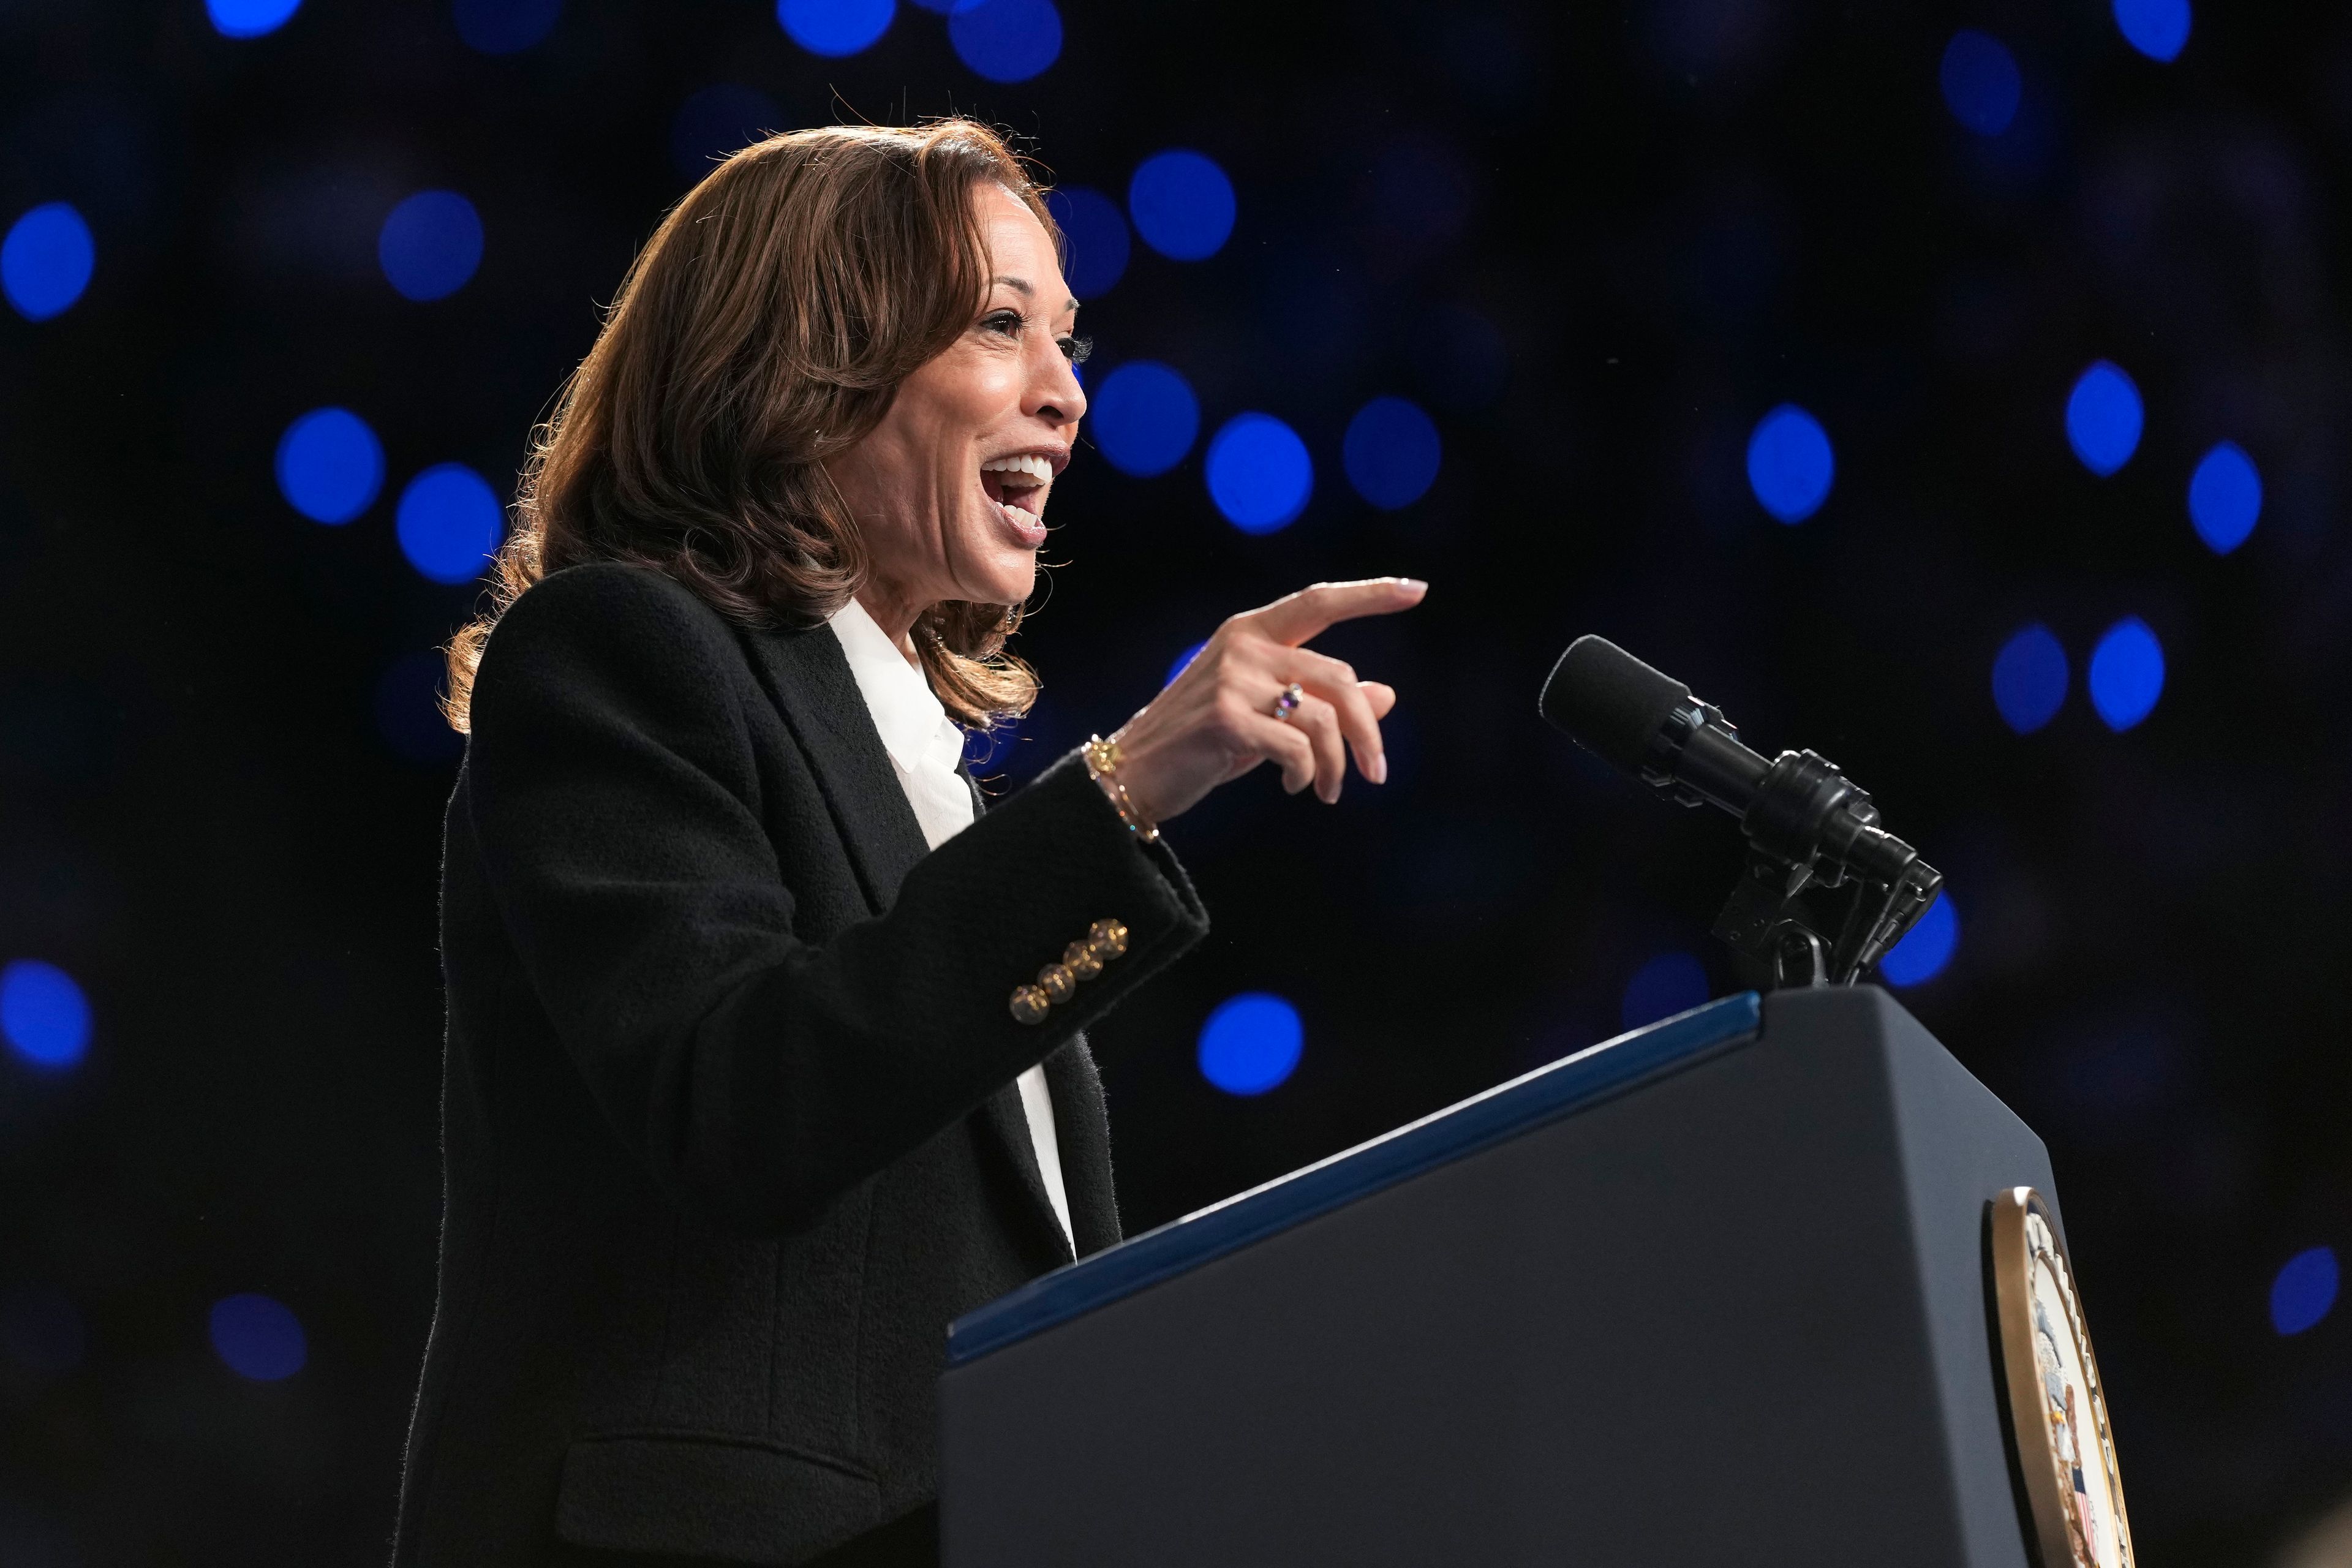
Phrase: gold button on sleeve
x=1030 y=1005
x=1057 y=983
x=1108 y=939
x=1080 y=959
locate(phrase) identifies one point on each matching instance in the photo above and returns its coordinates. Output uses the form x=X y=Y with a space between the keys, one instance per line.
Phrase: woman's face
x=949 y=491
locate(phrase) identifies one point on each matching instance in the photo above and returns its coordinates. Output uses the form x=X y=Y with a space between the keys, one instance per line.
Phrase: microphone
x=1807 y=825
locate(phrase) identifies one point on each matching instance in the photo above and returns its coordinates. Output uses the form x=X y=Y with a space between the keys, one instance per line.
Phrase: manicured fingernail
x=1381 y=768
x=1415 y=584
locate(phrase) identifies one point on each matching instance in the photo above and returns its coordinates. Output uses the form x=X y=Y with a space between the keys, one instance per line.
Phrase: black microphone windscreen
x=1609 y=702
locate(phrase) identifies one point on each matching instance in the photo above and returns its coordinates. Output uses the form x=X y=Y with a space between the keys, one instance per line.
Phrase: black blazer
x=730 y=1129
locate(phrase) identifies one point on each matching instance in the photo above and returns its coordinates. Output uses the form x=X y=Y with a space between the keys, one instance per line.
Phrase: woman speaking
x=766 y=1053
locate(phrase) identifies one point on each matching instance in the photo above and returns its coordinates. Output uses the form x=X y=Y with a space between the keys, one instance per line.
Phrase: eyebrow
x=1024 y=285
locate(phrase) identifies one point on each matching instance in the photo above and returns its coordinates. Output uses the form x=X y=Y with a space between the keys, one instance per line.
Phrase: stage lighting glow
x=1391 y=453
x=1790 y=465
x=43 y=1014
x=1096 y=232
x=1259 y=473
x=449 y=523
x=2225 y=498
x=1186 y=658
x=506 y=26
x=40 y=1331
x=259 y=1338
x=1182 y=205
x=430 y=246
x=2126 y=673
x=836 y=28
x=721 y=119
x=1925 y=948
x=1669 y=983
x=329 y=465
x=249 y=18
x=2156 y=28
x=2304 y=1290
x=46 y=260
x=408 y=710
x=1250 y=1043
x=1146 y=418
x=2029 y=677
x=2103 y=418
x=1005 y=40
x=1980 y=81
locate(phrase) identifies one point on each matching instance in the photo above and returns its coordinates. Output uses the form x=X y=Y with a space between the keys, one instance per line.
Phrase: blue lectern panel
x=1712 y=1293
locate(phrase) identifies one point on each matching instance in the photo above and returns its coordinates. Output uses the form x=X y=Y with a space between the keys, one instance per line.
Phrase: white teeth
x=1038 y=469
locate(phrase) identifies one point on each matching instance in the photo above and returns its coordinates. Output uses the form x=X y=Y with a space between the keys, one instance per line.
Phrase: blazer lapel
x=808 y=679
x=1008 y=1121
x=1081 y=1129
x=1003 y=1114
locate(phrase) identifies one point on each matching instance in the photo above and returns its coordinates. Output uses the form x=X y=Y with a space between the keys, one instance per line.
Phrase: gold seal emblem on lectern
x=2065 y=1451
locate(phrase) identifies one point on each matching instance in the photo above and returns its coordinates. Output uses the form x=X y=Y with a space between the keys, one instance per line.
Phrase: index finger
x=1294 y=618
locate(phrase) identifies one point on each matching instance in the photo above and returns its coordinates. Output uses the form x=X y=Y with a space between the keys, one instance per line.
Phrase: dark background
x=1598 y=242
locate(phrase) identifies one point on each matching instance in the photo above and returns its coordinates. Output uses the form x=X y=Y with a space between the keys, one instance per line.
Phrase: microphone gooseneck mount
x=1810 y=829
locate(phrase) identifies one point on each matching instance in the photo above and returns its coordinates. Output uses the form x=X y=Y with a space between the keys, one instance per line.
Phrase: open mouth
x=1019 y=485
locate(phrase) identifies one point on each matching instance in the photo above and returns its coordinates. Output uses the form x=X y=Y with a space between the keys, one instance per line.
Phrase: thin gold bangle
x=1102 y=766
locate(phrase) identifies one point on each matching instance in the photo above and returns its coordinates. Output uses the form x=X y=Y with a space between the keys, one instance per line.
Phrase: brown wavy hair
x=765 y=327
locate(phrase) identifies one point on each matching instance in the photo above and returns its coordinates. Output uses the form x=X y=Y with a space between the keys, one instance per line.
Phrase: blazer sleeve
x=617 y=807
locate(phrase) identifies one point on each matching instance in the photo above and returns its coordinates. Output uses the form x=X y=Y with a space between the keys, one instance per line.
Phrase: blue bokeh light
x=2126 y=673
x=1925 y=948
x=1146 y=418
x=2029 y=677
x=431 y=244
x=723 y=118
x=2156 y=28
x=1250 y=1043
x=43 y=1014
x=1005 y=40
x=1259 y=473
x=1790 y=465
x=1176 y=665
x=408 y=710
x=2225 y=498
x=1182 y=205
x=1980 y=81
x=836 y=28
x=1096 y=233
x=249 y=18
x=329 y=465
x=46 y=260
x=2304 y=1290
x=506 y=26
x=1669 y=983
x=2103 y=418
x=1391 y=453
x=450 y=523
x=259 y=1338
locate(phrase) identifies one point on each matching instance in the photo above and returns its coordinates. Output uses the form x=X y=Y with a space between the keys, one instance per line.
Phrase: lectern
x=1718 y=1291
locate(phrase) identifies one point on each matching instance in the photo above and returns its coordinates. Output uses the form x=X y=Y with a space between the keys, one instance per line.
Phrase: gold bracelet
x=1102 y=766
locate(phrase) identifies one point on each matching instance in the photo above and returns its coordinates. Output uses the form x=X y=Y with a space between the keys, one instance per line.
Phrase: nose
x=1054 y=395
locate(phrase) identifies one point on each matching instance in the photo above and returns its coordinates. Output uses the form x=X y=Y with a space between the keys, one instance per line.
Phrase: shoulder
x=610 y=597
x=612 y=627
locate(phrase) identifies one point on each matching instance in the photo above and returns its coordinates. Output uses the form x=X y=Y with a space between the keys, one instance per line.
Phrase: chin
x=1012 y=583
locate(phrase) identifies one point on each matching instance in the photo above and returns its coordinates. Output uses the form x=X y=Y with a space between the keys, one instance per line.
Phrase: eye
x=1078 y=350
x=1008 y=322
